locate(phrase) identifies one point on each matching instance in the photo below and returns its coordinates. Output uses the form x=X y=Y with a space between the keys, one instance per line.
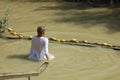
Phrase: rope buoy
x=72 y=41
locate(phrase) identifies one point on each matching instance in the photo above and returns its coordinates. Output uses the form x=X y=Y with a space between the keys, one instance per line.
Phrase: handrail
x=11 y=75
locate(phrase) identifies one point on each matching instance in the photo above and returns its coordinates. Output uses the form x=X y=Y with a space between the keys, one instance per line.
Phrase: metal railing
x=10 y=75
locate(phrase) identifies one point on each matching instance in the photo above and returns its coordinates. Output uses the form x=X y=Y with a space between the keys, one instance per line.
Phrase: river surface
x=71 y=62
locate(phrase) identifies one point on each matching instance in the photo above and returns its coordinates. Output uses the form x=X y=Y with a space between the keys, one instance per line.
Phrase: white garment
x=39 y=47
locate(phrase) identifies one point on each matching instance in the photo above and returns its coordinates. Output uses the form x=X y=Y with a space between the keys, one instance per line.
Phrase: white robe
x=39 y=47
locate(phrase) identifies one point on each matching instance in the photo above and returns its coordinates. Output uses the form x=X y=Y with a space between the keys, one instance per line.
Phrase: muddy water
x=71 y=62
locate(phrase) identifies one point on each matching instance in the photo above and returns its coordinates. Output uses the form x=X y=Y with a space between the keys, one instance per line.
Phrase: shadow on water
x=30 y=0
x=87 y=15
x=21 y=57
x=110 y=18
x=18 y=56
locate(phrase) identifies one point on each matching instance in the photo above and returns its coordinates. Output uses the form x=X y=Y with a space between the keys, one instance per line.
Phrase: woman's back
x=39 y=48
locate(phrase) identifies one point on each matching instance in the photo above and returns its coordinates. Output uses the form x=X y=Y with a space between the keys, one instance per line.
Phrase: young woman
x=39 y=45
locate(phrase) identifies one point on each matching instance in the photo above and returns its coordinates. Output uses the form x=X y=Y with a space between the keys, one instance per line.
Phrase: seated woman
x=39 y=46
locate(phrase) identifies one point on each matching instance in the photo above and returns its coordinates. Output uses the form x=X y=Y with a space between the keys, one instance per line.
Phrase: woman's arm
x=47 y=56
x=46 y=49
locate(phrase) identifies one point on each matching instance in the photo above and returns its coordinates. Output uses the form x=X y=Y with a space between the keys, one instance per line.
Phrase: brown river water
x=71 y=62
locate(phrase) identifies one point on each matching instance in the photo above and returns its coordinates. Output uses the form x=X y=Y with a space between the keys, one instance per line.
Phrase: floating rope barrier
x=19 y=36
x=70 y=42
